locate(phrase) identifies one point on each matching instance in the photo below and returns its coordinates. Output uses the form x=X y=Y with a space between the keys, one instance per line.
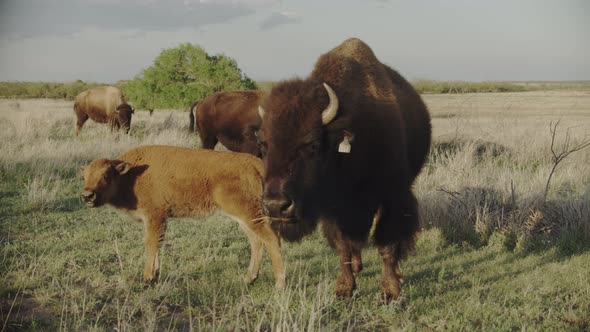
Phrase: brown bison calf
x=153 y=183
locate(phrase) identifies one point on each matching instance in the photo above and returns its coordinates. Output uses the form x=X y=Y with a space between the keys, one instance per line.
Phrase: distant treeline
x=430 y=86
x=69 y=90
x=52 y=90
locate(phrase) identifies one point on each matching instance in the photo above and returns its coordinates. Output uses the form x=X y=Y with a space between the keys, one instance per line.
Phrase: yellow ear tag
x=344 y=146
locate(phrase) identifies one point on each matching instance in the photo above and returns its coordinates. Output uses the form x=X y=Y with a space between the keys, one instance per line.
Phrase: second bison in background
x=230 y=118
x=154 y=183
x=103 y=104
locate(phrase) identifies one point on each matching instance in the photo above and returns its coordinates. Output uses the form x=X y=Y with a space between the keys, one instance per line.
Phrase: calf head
x=124 y=112
x=294 y=144
x=102 y=178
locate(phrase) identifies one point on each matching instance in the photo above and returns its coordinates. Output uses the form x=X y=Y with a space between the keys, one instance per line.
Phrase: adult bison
x=154 y=183
x=343 y=147
x=103 y=104
x=230 y=118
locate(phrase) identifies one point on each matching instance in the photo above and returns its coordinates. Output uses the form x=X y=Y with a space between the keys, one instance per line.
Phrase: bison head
x=124 y=112
x=295 y=146
x=101 y=180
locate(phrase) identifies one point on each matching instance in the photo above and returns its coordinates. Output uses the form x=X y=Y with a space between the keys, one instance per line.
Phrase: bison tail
x=192 y=120
x=192 y=116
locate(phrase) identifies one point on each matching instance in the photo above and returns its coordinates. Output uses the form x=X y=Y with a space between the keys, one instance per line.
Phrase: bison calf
x=153 y=183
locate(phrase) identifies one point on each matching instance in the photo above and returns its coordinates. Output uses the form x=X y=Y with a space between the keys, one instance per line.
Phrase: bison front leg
x=81 y=118
x=154 y=235
x=345 y=283
x=356 y=260
x=390 y=276
x=346 y=249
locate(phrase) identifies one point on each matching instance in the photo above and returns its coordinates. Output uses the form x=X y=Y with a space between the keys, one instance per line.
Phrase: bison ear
x=81 y=171
x=123 y=168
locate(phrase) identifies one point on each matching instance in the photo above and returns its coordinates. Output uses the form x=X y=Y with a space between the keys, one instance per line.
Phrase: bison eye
x=106 y=176
x=310 y=149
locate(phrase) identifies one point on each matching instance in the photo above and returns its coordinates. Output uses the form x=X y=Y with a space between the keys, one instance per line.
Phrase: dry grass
x=494 y=256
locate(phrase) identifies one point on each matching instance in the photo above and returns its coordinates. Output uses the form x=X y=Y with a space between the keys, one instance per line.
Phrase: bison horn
x=261 y=111
x=330 y=112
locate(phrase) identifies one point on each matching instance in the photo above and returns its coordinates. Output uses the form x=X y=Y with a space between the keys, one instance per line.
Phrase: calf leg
x=155 y=227
x=244 y=207
x=256 y=252
x=267 y=235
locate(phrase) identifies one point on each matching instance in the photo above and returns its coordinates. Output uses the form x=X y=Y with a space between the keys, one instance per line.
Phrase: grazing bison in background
x=154 y=183
x=230 y=118
x=343 y=148
x=104 y=104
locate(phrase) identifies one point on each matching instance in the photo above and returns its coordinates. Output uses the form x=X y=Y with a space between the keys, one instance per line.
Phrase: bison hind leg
x=395 y=235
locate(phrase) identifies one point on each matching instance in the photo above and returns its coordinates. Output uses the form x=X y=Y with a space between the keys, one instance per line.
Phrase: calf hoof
x=249 y=279
x=151 y=279
x=280 y=284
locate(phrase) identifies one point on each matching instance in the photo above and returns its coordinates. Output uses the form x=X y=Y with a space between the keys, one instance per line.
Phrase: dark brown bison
x=343 y=148
x=103 y=104
x=154 y=183
x=230 y=118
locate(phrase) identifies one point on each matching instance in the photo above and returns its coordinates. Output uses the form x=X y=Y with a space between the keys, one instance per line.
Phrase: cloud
x=245 y=2
x=31 y=18
x=276 y=19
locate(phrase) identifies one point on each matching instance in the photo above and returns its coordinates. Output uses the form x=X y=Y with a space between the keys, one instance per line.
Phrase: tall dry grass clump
x=494 y=177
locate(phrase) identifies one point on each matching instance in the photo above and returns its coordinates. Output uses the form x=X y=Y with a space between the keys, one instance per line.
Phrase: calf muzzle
x=88 y=197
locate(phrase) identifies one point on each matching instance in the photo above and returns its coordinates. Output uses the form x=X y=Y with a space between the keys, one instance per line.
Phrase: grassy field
x=495 y=254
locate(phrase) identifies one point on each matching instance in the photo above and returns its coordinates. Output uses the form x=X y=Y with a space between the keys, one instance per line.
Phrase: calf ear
x=123 y=168
x=81 y=172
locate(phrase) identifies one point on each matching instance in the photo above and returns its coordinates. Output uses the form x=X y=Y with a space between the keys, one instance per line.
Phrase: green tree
x=180 y=75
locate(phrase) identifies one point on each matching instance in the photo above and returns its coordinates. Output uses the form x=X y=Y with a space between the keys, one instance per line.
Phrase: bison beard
x=388 y=129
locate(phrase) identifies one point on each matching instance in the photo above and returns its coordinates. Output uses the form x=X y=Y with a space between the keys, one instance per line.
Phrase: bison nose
x=88 y=196
x=281 y=207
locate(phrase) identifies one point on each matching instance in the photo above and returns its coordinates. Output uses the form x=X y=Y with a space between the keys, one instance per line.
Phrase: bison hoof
x=344 y=292
x=356 y=268
x=345 y=289
x=389 y=294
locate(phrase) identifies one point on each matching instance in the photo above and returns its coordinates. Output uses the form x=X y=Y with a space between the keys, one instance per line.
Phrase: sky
x=110 y=40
